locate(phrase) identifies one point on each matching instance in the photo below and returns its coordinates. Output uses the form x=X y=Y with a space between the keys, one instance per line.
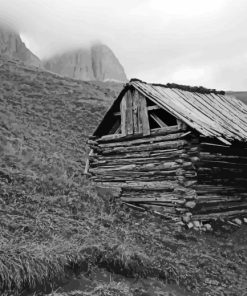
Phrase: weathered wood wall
x=222 y=181
x=156 y=170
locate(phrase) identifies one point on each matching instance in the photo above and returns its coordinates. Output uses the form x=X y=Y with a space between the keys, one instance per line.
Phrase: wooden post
x=135 y=112
x=144 y=116
x=181 y=124
x=123 y=107
x=129 y=113
x=87 y=162
x=139 y=113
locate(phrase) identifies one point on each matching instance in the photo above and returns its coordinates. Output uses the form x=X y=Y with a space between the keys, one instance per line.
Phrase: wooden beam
x=87 y=162
x=123 y=108
x=158 y=120
x=171 y=198
x=116 y=127
x=144 y=115
x=139 y=112
x=149 y=108
x=135 y=112
x=154 y=107
x=154 y=132
x=129 y=113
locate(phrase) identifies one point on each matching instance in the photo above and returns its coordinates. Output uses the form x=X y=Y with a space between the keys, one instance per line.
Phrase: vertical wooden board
x=139 y=112
x=181 y=124
x=87 y=162
x=135 y=111
x=129 y=113
x=144 y=115
x=123 y=108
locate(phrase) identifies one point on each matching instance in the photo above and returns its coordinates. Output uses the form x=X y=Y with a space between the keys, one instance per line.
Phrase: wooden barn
x=178 y=150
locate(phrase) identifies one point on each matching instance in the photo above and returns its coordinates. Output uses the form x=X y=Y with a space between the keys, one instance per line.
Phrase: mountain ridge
x=12 y=46
x=98 y=62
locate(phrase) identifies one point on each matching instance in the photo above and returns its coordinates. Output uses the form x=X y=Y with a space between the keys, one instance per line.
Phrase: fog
x=196 y=42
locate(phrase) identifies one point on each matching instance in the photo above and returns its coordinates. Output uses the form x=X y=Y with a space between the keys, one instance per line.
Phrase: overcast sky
x=196 y=42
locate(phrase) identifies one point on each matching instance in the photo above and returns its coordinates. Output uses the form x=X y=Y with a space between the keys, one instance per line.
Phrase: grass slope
x=45 y=120
x=53 y=224
x=241 y=95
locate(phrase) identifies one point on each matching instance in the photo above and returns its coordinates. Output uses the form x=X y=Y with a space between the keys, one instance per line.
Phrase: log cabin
x=178 y=150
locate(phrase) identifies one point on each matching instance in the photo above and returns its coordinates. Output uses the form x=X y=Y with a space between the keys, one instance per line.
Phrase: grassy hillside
x=54 y=227
x=241 y=95
x=45 y=120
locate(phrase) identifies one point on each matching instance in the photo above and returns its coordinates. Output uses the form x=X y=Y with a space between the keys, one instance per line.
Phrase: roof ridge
x=197 y=89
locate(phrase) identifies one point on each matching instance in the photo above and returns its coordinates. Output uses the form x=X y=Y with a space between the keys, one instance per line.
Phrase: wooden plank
x=133 y=178
x=149 y=108
x=145 y=157
x=134 y=207
x=163 y=209
x=154 y=107
x=158 y=120
x=154 y=132
x=144 y=115
x=135 y=112
x=181 y=124
x=86 y=170
x=118 y=131
x=142 y=185
x=107 y=138
x=115 y=127
x=226 y=214
x=147 y=147
x=169 y=199
x=139 y=113
x=147 y=141
x=123 y=107
x=129 y=113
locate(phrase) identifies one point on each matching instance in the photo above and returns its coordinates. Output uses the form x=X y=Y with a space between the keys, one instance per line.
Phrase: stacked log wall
x=157 y=171
x=222 y=181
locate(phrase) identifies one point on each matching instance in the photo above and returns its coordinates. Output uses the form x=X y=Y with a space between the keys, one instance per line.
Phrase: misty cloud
x=195 y=42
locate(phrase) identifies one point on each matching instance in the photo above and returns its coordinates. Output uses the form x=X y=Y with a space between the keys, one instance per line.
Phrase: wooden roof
x=211 y=113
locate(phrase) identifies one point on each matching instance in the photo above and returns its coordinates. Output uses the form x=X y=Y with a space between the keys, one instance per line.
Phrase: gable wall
x=137 y=114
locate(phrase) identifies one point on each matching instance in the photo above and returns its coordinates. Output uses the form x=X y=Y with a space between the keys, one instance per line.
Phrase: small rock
x=208 y=227
x=197 y=224
x=237 y=221
x=245 y=220
x=190 y=225
x=190 y=204
x=186 y=217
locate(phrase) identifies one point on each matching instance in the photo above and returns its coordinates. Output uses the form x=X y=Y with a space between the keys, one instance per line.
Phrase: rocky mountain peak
x=97 y=62
x=12 y=46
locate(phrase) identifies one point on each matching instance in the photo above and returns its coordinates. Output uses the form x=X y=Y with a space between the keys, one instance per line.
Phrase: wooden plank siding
x=161 y=165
